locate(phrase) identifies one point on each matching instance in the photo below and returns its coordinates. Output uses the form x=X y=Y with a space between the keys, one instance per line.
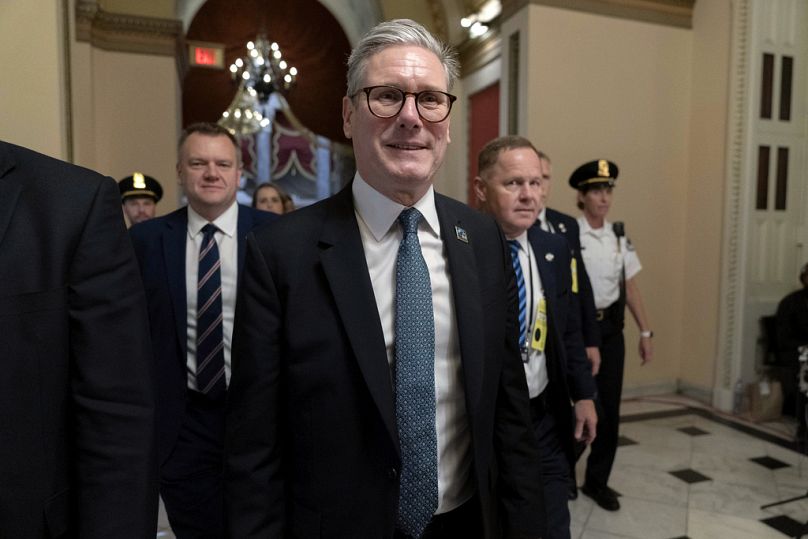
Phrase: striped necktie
x=520 y=285
x=415 y=382
x=210 y=378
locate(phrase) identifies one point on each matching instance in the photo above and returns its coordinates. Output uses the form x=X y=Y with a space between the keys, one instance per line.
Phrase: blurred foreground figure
x=76 y=393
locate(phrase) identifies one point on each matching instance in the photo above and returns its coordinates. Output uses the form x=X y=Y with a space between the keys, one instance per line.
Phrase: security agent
x=612 y=264
x=139 y=197
x=555 y=363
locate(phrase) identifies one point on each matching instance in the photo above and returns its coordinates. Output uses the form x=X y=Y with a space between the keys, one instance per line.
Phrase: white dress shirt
x=227 y=242
x=604 y=261
x=381 y=235
x=544 y=224
x=536 y=366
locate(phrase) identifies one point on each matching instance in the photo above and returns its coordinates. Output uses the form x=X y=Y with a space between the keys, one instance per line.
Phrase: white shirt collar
x=227 y=222
x=543 y=215
x=380 y=213
x=585 y=227
x=522 y=240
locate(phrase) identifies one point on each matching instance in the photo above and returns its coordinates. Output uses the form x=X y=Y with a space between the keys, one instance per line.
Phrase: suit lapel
x=466 y=295
x=345 y=267
x=174 y=258
x=545 y=260
x=245 y=224
x=9 y=189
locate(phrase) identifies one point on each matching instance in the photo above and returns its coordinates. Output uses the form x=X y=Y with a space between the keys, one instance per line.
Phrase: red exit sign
x=206 y=55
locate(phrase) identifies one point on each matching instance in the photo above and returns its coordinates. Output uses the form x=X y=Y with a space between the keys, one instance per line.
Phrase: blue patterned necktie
x=415 y=382
x=210 y=378
x=520 y=285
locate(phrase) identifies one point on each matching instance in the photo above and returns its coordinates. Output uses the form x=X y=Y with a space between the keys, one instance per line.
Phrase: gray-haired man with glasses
x=377 y=386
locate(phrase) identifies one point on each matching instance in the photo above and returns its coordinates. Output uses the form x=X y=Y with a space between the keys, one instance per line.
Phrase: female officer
x=612 y=264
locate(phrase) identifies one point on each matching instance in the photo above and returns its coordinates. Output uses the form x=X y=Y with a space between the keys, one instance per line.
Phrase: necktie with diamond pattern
x=415 y=382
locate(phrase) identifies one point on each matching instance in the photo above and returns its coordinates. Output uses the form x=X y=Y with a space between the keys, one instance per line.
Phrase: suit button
x=392 y=473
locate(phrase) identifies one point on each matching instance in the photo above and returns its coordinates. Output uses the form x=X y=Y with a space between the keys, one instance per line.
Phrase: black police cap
x=140 y=185
x=594 y=174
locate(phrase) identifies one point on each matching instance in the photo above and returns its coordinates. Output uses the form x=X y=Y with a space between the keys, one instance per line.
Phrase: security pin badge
x=549 y=257
x=461 y=234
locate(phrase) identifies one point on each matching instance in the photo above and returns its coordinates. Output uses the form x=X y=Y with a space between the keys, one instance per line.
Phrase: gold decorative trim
x=126 y=33
x=732 y=267
x=678 y=13
x=476 y=53
x=439 y=23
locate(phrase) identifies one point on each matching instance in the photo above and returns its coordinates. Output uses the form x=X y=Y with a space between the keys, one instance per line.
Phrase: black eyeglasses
x=387 y=101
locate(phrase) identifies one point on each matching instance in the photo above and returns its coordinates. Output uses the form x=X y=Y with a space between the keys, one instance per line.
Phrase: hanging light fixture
x=258 y=74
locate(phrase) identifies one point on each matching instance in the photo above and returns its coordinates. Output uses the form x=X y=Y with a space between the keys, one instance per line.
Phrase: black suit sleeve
x=111 y=383
x=586 y=300
x=254 y=486
x=515 y=444
x=579 y=370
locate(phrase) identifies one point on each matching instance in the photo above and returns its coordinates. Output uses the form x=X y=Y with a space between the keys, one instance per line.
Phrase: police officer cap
x=140 y=185
x=594 y=174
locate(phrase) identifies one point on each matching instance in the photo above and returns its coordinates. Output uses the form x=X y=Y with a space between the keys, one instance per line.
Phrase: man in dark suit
x=377 y=387
x=553 y=353
x=555 y=222
x=190 y=260
x=77 y=454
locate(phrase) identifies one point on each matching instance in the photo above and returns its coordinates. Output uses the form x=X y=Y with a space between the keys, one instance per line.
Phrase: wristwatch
x=647 y=334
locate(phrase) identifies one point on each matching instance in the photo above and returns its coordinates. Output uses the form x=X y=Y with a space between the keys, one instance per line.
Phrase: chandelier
x=259 y=74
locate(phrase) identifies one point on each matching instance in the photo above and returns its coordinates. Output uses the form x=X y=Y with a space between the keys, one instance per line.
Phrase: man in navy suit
x=172 y=251
x=553 y=353
x=320 y=424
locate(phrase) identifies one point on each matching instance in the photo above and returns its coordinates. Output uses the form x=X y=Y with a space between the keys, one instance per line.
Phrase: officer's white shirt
x=604 y=261
x=536 y=366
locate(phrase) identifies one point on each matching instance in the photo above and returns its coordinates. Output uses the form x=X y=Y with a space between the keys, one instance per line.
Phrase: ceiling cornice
x=126 y=33
x=678 y=13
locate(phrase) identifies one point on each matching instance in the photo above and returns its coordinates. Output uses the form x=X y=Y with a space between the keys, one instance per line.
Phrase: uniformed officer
x=612 y=264
x=139 y=197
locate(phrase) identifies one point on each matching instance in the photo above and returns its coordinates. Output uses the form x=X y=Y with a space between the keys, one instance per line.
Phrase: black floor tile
x=624 y=441
x=784 y=524
x=770 y=463
x=693 y=431
x=690 y=476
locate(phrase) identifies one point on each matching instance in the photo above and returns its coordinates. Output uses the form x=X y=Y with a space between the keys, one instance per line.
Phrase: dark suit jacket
x=160 y=249
x=76 y=390
x=312 y=446
x=567 y=226
x=568 y=369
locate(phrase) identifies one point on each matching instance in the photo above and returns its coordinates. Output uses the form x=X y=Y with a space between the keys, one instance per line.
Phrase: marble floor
x=685 y=471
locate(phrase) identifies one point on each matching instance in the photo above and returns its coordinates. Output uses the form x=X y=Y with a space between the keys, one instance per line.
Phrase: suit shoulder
x=154 y=227
x=40 y=168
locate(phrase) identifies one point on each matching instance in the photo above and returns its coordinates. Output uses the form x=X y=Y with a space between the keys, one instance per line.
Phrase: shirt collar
x=227 y=222
x=583 y=224
x=380 y=213
x=521 y=239
x=543 y=215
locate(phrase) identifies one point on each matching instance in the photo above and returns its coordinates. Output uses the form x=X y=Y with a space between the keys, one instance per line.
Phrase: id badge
x=574 y=271
x=539 y=337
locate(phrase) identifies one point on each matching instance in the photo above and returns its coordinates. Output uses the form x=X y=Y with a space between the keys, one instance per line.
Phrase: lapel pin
x=549 y=257
x=562 y=227
x=461 y=234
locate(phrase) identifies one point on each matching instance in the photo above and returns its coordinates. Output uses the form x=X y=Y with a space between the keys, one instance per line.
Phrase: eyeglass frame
x=368 y=89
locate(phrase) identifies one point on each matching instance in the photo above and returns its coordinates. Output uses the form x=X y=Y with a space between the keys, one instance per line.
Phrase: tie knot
x=514 y=245
x=209 y=230
x=409 y=219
